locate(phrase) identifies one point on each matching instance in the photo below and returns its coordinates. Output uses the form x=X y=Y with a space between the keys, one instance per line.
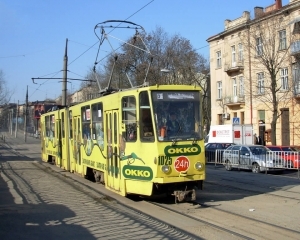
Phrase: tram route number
x=182 y=164
x=164 y=160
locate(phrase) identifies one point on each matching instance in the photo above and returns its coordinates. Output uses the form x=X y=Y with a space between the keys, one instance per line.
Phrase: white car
x=253 y=157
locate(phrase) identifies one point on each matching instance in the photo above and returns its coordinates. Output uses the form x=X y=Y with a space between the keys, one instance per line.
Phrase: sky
x=33 y=35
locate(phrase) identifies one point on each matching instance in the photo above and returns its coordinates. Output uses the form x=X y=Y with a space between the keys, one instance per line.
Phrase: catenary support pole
x=64 y=80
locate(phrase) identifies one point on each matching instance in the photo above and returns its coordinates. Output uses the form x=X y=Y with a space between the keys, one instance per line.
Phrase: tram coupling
x=185 y=196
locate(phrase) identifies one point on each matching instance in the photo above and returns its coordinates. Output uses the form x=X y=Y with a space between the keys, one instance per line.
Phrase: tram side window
x=47 y=125
x=63 y=124
x=146 y=129
x=86 y=121
x=71 y=126
x=129 y=118
x=97 y=124
x=52 y=126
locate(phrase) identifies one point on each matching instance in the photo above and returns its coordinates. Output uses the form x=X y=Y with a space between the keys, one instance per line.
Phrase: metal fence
x=271 y=160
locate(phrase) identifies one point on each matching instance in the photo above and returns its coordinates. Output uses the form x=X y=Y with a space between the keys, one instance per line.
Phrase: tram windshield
x=177 y=115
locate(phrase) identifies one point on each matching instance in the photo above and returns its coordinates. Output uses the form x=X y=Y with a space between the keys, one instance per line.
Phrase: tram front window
x=177 y=115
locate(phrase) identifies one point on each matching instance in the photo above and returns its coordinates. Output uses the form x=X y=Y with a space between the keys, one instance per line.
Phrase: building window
x=234 y=87
x=220 y=119
x=242 y=121
x=219 y=90
x=296 y=78
x=261 y=115
x=260 y=83
x=259 y=46
x=241 y=86
x=282 y=40
x=240 y=53
x=233 y=56
x=219 y=59
x=284 y=79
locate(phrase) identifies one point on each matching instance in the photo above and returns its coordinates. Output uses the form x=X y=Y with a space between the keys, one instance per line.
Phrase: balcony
x=234 y=101
x=234 y=67
x=295 y=48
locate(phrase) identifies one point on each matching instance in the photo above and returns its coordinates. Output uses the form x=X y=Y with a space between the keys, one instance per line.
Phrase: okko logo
x=187 y=150
x=137 y=172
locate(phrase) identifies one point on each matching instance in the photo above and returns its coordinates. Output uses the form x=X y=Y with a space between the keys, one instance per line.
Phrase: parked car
x=253 y=157
x=211 y=151
x=289 y=153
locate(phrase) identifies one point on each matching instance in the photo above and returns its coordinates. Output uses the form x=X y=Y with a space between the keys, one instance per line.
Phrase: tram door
x=59 y=142
x=64 y=141
x=72 y=142
x=113 y=160
x=77 y=143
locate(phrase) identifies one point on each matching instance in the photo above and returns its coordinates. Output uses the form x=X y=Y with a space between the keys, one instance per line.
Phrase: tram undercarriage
x=182 y=191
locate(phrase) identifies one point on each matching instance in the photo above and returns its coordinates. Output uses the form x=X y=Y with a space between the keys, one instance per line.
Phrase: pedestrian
x=255 y=139
x=259 y=140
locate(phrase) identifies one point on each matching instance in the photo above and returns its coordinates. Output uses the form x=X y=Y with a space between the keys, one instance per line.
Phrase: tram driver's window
x=129 y=118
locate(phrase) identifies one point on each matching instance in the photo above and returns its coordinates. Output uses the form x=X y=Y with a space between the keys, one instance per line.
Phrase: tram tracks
x=248 y=211
x=295 y=197
x=226 y=222
x=203 y=217
x=200 y=219
x=95 y=192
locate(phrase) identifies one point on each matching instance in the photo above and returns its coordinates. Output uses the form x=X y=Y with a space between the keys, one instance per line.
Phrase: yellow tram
x=146 y=141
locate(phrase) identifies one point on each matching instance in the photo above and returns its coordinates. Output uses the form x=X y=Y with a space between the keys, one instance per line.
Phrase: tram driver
x=173 y=125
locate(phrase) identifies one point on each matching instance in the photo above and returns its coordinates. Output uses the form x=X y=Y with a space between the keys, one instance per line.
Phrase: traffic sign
x=236 y=121
x=182 y=164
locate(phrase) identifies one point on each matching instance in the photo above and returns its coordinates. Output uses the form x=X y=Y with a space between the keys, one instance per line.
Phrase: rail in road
x=49 y=202
x=40 y=203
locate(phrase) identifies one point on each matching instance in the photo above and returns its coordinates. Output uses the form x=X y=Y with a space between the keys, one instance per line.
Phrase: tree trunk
x=273 y=129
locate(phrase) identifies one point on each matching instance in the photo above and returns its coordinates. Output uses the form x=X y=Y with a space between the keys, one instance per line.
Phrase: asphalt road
x=41 y=201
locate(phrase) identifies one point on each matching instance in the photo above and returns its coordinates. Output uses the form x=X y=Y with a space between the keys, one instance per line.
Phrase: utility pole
x=11 y=121
x=17 y=116
x=64 y=80
x=25 y=120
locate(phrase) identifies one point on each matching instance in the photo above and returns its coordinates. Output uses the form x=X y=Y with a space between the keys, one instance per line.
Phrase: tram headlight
x=165 y=168
x=198 y=165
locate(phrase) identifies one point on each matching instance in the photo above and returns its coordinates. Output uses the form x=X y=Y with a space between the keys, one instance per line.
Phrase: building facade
x=254 y=67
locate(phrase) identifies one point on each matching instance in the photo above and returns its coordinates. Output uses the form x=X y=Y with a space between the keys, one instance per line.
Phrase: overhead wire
x=93 y=46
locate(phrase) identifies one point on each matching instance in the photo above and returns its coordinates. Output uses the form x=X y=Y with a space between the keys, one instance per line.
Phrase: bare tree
x=268 y=56
x=143 y=56
x=5 y=94
x=174 y=53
